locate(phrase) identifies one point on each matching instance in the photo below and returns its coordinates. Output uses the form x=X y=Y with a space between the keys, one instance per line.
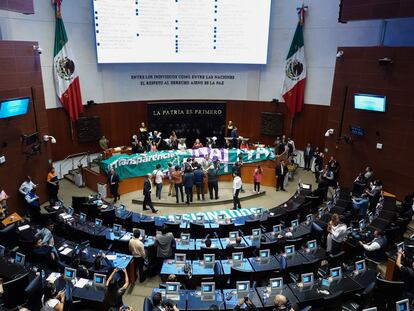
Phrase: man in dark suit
x=234 y=138
x=281 y=171
x=113 y=182
x=308 y=155
x=147 y=194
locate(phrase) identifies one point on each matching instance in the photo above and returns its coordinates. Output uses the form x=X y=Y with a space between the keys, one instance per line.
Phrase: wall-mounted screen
x=370 y=102
x=14 y=107
x=182 y=31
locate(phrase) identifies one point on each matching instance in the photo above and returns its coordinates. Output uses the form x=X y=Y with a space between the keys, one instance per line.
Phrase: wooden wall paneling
x=394 y=128
x=22 y=77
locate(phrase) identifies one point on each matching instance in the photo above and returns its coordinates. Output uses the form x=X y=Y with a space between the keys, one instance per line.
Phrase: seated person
x=207 y=243
x=81 y=270
x=101 y=264
x=407 y=274
x=360 y=206
x=52 y=300
x=159 y=305
x=238 y=243
x=46 y=234
x=43 y=254
x=197 y=144
x=247 y=303
x=281 y=303
x=375 y=250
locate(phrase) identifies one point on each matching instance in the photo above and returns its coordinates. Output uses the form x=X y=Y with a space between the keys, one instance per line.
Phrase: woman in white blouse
x=336 y=234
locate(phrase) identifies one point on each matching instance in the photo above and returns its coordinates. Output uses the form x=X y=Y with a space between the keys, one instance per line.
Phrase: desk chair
x=361 y=300
x=34 y=292
x=239 y=275
x=306 y=208
x=297 y=242
x=387 y=292
x=210 y=250
x=333 y=302
x=197 y=231
x=224 y=229
x=148 y=306
x=272 y=221
x=14 y=294
x=174 y=228
x=8 y=236
x=273 y=246
x=148 y=226
x=250 y=224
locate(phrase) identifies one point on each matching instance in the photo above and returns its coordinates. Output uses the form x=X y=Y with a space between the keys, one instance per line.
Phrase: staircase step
x=69 y=177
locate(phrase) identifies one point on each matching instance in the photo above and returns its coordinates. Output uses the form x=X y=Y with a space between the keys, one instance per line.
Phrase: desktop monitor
x=370 y=309
x=172 y=288
x=362 y=224
x=277 y=229
x=256 y=234
x=209 y=260
x=142 y=233
x=117 y=228
x=69 y=273
x=69 y=210
x=243 y=288
x=185 y=238
x=264 y=255
x=2 y=251
x=307 y=279
x=309 y=218
x=402 y=305
x=312 y=245
x=237 y=258
x=121 y=208
x=178 y=218
x=360 y=266
x=208 y=290
x=82 y=218
x=290 y=250
x=233 y=235
x=98 y=222
x=336 y=273
x=180 y=259
x=400 y=247
x=200 y=218
x=258 y=211
x=294 y=223
x=99 y=280
x=276 y=284
x=19 y=258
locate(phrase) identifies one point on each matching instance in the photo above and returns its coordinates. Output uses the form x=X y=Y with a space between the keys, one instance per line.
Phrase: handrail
x=72 y=156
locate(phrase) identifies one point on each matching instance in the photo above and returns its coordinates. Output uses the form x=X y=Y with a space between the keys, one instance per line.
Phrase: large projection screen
x=182 y=31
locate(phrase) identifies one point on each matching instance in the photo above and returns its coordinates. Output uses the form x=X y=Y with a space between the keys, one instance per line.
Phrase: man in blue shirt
x=199 y=182
x=360 y=206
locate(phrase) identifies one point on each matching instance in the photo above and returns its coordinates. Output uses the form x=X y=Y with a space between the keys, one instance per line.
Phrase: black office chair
x=249 y=225
x=248 y=251
x=387 y=292
x=34 y=292
x=361 y=300
x=306 y=209
x=77 y=203
x=148 y=226
x=239 y=275
x=8 y=236
x=297 y=242
x=14 y=294
x=197 y=231
x=174 y=228
x=224 y=230
x=336 y=260
x=271 y=221
x=310 y=266
x=148 y=306
x=333 y=302
x=209 y=250
x=273 y=246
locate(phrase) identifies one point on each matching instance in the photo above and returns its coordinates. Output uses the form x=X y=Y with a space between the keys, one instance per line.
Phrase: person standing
x=234 y=138
x=236 y=169
x=113 y=182
x=308 y=155
x=33 y=202
x=230 y=127
x=188 y=185
x=147 y=194
x=199 y=182
x=171 y=189
x=27 y=186
x=318 y=165
x=104 y=143
x=113 y=292
x=177 y=178
x=237 y=184
x=165 y=244
x=281 y=171
x=136 y=247
x=212 y=174
x=158 y=176
x=336 y=234
x=3 y=203
x=257 y=178
x=53 y=185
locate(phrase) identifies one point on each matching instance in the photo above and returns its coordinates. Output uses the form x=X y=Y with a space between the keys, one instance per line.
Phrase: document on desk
x=81 y=283
x=53 y=277
x=126 y=237
x=111 y=257
x=66 y=251
x=21 y=228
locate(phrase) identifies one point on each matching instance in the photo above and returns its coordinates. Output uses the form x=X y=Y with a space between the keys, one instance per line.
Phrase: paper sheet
x=111 y=257
x=81 y=283
x=52 y=277
x=66 y=251
x=21 y=228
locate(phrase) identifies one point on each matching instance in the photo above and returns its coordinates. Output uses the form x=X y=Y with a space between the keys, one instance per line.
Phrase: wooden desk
x=11 y=219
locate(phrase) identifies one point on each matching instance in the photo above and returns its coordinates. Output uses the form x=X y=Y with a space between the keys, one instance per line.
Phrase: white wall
x=109 y=83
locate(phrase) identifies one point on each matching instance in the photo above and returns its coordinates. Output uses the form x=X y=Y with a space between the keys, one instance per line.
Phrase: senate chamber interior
x=176 y=155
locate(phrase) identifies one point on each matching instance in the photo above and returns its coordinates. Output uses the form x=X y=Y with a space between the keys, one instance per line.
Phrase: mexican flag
x=295 y=73
x=66 y=78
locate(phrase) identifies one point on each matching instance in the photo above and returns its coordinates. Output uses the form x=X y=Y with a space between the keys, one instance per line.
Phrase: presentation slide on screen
x=182 y=31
